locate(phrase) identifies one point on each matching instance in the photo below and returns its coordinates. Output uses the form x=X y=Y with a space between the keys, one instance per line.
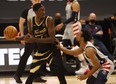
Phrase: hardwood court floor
x=53 y=80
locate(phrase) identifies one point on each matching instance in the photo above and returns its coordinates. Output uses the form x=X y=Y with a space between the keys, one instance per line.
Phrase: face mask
x=92 y=21
x=57 y=21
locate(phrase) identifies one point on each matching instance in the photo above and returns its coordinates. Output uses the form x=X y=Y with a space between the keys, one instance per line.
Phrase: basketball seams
x=13 y=34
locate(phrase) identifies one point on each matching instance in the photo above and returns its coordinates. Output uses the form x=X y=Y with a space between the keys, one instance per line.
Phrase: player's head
x=39 y=10
x=35 y=1
x=84 y=35
x=92 y=18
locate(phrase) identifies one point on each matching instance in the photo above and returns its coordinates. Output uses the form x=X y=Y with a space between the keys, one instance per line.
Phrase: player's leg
x=42 y=72
x=34 y=74
x=30 y=78
x=83 y=64
x=36 y=69
x=91 y=80
x=57 y=67
x=102 y=77
x=22 y=63
x=84 y=68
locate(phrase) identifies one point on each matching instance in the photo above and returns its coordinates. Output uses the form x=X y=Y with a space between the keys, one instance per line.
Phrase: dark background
x=12 y=9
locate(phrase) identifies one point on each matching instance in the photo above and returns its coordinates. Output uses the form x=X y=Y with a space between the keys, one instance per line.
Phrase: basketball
x=10 y=32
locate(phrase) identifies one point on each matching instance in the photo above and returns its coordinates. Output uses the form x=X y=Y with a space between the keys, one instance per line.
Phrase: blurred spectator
x=83 y=23
x=97 y=33
x=111 y=23
x=58 y=20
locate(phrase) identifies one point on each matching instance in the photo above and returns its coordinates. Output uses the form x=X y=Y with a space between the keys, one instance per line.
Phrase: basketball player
x=72 y=16
x=42 y=32
x=29 y=47
x=102 y=65
x=97 y=33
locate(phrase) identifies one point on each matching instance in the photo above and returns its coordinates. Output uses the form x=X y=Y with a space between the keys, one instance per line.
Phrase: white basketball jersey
x=69 y=10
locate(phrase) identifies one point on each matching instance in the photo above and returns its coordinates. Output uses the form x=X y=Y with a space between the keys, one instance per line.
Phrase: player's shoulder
x=49 y=17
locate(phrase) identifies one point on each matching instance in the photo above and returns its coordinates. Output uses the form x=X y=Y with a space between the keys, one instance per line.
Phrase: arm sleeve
x=72 y=18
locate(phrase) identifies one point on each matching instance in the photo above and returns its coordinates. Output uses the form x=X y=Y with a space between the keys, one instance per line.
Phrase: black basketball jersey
x=41 y=31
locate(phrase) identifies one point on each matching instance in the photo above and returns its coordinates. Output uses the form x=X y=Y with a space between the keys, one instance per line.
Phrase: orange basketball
x=10 y=32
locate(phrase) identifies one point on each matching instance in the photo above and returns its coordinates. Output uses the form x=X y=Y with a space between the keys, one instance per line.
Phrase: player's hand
x=59 y=26
x=22 y=42
x=59 y=44
x=20 y=39
x=82 y=77
x=19 y=34
x=29 y=38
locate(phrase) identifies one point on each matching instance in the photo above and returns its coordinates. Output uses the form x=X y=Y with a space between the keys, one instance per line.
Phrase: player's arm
x=21 y=38
x=91 y=54
x=51 y=30
x=30 y=27
x=21 y=29
x=21 y=25
x=22 y=20
x=75 y=9
x=74 y=52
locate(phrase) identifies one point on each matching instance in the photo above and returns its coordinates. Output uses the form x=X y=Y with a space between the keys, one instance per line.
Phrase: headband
x=37 y=6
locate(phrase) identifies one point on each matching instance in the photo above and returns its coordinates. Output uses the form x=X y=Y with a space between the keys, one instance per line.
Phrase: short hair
x=37 y=6
x=87 y=35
